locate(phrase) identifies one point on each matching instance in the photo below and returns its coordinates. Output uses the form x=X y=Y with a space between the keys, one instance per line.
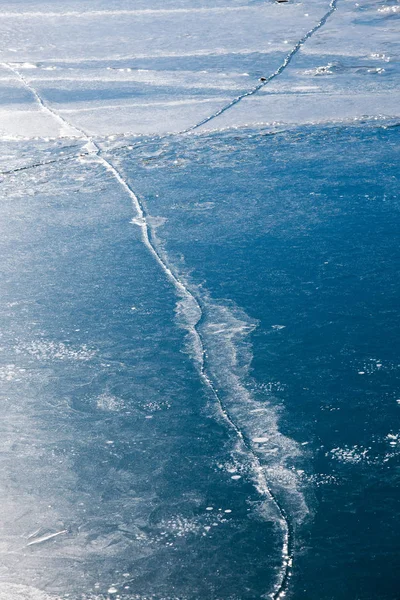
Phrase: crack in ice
x=252 y=91
x=44 y=163
x=184 y=293
x=265 y=81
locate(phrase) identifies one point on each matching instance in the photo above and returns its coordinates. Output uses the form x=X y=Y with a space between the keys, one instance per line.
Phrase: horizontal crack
x=44 y=163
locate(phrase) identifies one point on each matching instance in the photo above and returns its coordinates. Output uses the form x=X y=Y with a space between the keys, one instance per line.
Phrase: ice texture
x=198 y=218
x=116 y=69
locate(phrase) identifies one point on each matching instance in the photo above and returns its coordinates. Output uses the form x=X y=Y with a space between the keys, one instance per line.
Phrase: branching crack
x=183 y=289
x=185 y=293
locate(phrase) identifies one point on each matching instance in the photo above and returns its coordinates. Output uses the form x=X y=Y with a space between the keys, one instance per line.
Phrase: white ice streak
x=45 y=538
x=128 y=12
x=136 y=105
x=183 y=79
x=163 y=53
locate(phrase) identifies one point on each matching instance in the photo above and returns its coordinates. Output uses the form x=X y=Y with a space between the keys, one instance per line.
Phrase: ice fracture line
x=184 y=293
x=44 y=163
x=252 y=91
x=266 y=80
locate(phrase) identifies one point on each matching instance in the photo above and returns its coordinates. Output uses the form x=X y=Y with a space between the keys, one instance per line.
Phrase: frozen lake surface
x=200 y=376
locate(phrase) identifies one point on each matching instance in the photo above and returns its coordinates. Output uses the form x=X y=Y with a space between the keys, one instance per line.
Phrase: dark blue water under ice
x=121 y=434
x=299 y=229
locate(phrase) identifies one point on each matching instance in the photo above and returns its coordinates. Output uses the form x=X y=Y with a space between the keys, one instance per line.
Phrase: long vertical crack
x=185 y=293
